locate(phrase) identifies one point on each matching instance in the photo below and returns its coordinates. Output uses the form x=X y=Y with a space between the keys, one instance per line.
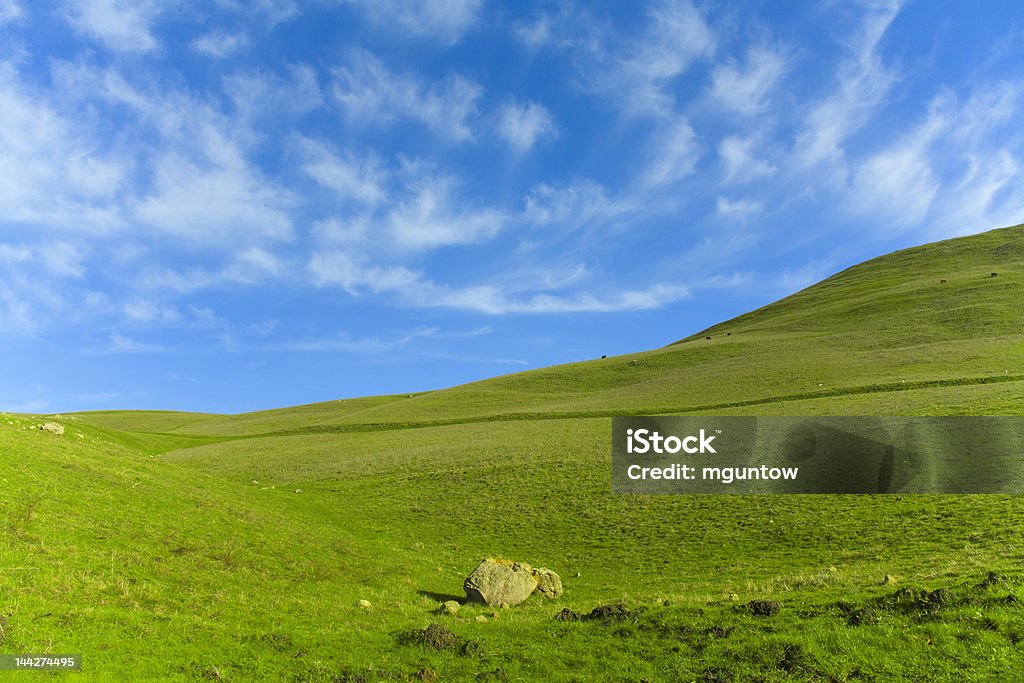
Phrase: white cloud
x=739 y=210
x=638 y=76
x=219 y=44
x=11 y=254
x=445 y=20
x=741 y=162
x=41 y=151
x=898 y=182
x=343 y=342
x=522 y=124
x=18 y=313
x=253 y=266
x=147 y=311
x=990 y=194
x=337 y=231
x=261 y=95
x=370 y=94
x=360 y=180
x=214 y=204
x=863 y=82
x=493 y=301
x=567 y=208
x=120 y=343
x=537 y=33
x=744 y=89
x=62 y=258
x=341 y=268
x=954 y=173
x=673 y=155
x=271 y=12
x=431 y=218
x=10 y=10
x=120 y=24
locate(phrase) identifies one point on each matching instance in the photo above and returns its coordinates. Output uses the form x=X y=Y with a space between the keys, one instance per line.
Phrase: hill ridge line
x=658 y=410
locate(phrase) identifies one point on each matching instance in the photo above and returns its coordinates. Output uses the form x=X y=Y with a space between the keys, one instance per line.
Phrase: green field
x=178 y=546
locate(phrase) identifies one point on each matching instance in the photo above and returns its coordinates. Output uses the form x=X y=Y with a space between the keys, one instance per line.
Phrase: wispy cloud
x=360 y=180
x=493 y=301
x=673 y=155
x=10 y=10
x=371 y=94
x=563 y=209
x=340 y=268
x=119 y=24
x=744 y=88
x=220 y=44
x=521 y=125
x=119 y=343
x=41 y=149
x=345 y=343
x=898 y=181
x=264 y=96
x=637 y=73
x=737 y=209
x=742 y=161
x=432 y=217
x=445 y=20
x=216 y=202
x=862 y=82
x=411 y=288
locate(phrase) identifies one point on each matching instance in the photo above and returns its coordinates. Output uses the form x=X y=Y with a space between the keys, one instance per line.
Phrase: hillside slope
x=889 y=324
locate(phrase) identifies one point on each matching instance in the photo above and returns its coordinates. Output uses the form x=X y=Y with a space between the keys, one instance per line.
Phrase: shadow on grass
x=442 y=597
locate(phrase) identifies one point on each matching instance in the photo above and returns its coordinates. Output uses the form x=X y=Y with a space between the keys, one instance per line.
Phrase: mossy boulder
x=500 y=583
x=549 y=584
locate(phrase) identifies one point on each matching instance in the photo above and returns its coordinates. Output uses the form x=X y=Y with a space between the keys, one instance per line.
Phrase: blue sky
x=229 y=205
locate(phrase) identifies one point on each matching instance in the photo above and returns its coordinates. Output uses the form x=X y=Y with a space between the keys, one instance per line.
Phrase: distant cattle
x=942 y=282
x=603 y=357
x=728 y=334
x=994 y=275
x=707 y=337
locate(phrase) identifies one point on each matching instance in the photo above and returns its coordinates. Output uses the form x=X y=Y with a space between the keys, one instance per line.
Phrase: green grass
x=177 y=546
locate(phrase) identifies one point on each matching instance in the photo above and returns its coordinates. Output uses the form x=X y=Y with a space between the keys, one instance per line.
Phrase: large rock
x=52 y=427
x=549 y=584
x=500 y=583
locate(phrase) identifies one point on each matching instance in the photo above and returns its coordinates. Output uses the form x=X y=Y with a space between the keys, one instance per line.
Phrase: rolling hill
x=167 y=545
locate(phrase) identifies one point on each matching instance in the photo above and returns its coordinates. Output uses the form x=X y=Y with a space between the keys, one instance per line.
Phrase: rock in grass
x=52 y=427
x=549 y=584
x=364 y=604
x=500 y=583
x=450 y=607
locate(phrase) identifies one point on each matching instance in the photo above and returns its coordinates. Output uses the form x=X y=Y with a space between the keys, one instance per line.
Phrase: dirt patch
x=763 y=608
x=605 y=614
x=440 y=639
x=993 y=579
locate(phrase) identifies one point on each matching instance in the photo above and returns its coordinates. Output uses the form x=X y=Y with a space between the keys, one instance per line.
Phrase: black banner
x=733 y=454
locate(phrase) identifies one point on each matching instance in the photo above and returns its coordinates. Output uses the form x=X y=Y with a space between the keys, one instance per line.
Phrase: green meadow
x=180 y=546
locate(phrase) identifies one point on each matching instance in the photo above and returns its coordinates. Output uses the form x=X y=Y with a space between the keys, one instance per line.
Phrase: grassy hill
x=166 y=545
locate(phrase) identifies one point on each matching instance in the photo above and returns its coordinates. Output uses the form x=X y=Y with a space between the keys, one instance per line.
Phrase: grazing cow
x=728 y=334
x=993 y=274
x=707 y=337
x=603 y=357
x=942 y=282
